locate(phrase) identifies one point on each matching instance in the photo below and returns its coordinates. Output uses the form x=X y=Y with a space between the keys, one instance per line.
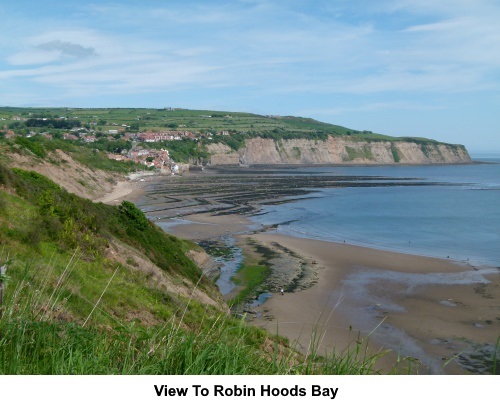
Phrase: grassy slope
x=70 y=307
x=191 y=120
x=58 y=270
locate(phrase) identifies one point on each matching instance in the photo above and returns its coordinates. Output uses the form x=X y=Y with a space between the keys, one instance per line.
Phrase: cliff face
x=337 y=150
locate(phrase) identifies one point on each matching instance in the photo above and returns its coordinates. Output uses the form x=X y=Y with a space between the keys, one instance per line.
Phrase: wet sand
x=422 y=307
x=430 y=308
x=205 y=226
x=444 y=313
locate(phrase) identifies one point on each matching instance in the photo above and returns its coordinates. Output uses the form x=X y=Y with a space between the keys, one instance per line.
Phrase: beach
x=130 y=188
x=426 y=320
x=442 y=313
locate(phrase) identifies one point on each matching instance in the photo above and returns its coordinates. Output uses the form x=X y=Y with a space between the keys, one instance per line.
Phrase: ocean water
x=449 y=211
x=457 y=216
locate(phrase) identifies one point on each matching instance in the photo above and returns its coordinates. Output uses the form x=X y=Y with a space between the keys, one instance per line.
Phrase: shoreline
x=427 y=319
x=415 y=305
x=132 y=187
x=474 y=263
x=375 y=292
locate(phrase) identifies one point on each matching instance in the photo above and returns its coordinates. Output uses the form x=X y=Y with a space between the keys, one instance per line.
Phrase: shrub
x=34 y=147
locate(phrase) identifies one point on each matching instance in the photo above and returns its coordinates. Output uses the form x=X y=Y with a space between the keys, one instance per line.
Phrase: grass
x=395 y=153
x=251 y=276
x=36 y=339
x=358 y=153
x=207 y=126
x=198 y=120
x=70 y=308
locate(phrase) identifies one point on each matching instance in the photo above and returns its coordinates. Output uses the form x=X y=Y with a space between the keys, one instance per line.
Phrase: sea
x=456 y=216
x=444 y=211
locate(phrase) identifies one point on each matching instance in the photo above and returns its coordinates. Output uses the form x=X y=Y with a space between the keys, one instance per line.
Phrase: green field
x=190 y=120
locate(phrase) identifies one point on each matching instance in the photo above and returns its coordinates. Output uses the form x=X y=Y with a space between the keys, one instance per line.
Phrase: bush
x=34 y=147
x=135 y=216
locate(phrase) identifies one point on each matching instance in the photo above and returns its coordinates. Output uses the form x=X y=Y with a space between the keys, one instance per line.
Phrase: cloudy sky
x=399 y=67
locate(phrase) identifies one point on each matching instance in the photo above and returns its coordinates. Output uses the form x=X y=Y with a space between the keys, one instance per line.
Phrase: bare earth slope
x=112 y=188
x=75 y=177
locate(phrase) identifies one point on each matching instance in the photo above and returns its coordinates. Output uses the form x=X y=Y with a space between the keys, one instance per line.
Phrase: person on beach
x=281 y=291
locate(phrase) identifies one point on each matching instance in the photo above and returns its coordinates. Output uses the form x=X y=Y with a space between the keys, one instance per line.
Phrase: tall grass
x=37 y=338
x=33 y=340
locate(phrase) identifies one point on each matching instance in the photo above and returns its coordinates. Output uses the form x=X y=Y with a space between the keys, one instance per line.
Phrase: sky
x=422 y=68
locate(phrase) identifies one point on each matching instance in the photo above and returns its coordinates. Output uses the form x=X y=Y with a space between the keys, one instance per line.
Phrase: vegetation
x=72 y=222
x=229 y=128
x=31 y=344
x=181 y=151
x=93 y=158
x=79 y=297
x=250 y=276
x=395 y=153
x=34 y=147
x=90 y=288
x=364 y=153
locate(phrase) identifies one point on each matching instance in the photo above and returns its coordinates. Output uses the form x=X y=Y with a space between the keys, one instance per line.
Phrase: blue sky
x=399 y=67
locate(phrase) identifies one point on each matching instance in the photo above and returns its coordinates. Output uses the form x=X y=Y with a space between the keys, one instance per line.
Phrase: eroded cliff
x=338 y=150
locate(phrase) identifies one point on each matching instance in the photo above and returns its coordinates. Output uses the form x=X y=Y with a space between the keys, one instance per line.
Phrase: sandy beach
x=414 y=306
x=131 y=188
x=443 y=313
x=422 y=317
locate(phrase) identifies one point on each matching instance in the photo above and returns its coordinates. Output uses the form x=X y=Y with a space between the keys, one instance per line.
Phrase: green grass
x=355 y=153
x=197 y=120
x=68 y=307
x=37 y=337
x=250 y=276
x=395 y=153
x=30 y=346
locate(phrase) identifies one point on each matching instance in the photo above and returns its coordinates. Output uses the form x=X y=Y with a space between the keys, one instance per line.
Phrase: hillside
x=219 y=138
x=91 y=288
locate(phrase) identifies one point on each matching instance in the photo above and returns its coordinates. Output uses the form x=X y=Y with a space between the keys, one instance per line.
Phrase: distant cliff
x=338 y=150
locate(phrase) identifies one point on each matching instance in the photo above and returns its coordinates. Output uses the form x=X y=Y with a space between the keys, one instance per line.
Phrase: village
x=153 y=158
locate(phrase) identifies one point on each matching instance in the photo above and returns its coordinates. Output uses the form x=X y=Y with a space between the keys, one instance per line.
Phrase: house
x=154 y=136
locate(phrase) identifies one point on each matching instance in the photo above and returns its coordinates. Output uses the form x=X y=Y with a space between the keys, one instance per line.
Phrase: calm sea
x=459 y=217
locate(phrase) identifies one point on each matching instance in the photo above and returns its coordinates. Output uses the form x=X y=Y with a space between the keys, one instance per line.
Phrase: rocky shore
x=444 y=328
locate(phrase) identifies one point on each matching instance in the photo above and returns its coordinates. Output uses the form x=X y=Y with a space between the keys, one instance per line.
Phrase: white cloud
x=266 y=45
x=49 y=52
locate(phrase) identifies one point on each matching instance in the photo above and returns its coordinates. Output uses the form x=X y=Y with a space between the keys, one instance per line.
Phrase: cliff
x=338 y=150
